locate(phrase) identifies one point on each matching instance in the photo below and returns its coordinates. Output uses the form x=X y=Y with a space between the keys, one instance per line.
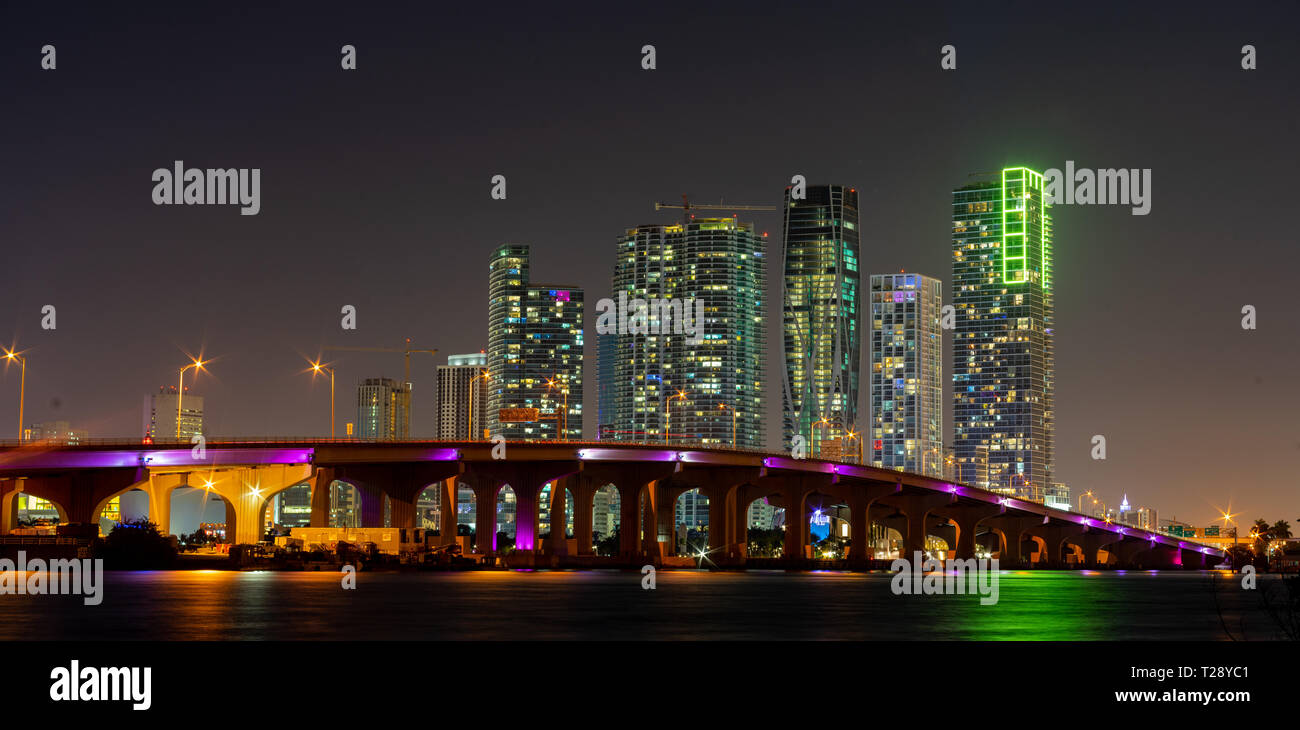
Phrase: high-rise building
x=693 y=373
x=455 y=381
x=906 y=390
x=1003 y=358
x=160 y=415
x=631 y=388
x=535 y=350
x=59 y=432
x=822 y=317
x=382 y=405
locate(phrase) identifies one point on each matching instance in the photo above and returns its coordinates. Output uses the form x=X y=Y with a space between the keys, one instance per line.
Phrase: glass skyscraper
x=632 y=388
x=822 y=319
x=1003 y=357
x=534 y=338
x=719 y=371
x=906 y=380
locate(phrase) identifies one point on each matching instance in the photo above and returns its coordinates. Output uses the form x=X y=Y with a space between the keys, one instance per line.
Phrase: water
x=754 y=605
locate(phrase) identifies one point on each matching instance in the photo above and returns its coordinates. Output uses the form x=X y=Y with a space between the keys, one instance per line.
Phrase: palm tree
x=1280 y=530
x=1259 y=531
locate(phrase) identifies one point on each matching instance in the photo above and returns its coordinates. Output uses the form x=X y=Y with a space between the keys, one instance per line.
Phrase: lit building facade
x=382 y=406
x=455 y=379
x=59 y=432
x=822 y=318
x=1003 y=355
x=160 y=415
x=631 y=366
x=534 y=339
x=718 y=371
x=1058 y=496
x=906 y=380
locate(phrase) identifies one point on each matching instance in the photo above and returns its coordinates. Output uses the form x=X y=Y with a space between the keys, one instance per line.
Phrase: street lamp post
x=853 y=435
x=485 y=376
x=1081 y=496
x=22 y=387
x=724 y=406
x=564 y=389
x=668 y=412
x=825 y=424
x=180 y=392
x=316 y=367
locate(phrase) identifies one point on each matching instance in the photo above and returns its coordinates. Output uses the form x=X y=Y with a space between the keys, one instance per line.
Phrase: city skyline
x=1151 y=324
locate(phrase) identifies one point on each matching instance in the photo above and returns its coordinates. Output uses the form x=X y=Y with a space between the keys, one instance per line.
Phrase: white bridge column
x=247 y=490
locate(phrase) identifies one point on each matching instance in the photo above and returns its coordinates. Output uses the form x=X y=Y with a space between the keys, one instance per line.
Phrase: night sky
x=375 y=193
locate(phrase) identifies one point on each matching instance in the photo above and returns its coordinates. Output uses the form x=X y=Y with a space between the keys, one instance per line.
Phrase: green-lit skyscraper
x=822 y=317
x=1003 y=358
x=534 y=338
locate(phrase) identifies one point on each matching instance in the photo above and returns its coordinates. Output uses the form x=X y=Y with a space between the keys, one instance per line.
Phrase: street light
x=180 y=391
x=825 y=424
x=485 y=375
x=317 y=368
x=851 y=435
x=1081 y=496
x=668 y=411
x=11 y=355
x=724 y=406
x=564 y=434
x=1227 y=519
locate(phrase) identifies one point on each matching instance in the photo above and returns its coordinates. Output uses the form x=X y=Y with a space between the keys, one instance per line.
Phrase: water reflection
x=220 y=605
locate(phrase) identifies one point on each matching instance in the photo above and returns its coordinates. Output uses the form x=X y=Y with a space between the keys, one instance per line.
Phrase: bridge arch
x=545 y=502
x=205 y=501
x=606 y=513
x=97 y=515
x=690 y=521
x=505 y=528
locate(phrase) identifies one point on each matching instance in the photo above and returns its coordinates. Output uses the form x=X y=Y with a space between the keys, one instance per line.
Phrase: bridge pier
x=728 y=532
x=968 y=517
x=247 y=491
x=1054 y=536
x=1129 y=552
x=321 y=481
x=557 y=543
x=584 y=498
x=1011 y=529
x=916 y=508
x=526 y=480
x=796 y=489
x=448 y=506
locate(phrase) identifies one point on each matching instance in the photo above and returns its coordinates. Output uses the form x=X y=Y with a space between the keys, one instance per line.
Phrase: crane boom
x=686 y=207
x=719 y=206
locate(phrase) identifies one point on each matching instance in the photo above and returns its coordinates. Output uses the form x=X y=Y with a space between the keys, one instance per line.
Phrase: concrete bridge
x=81 y=480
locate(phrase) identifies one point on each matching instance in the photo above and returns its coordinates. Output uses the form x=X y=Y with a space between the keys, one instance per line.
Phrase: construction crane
x=406 y=373
x=686 y=207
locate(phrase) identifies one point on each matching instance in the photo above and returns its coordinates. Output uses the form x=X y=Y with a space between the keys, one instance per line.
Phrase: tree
x=609 y=544
x=1280 y=530
x=137 y=545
